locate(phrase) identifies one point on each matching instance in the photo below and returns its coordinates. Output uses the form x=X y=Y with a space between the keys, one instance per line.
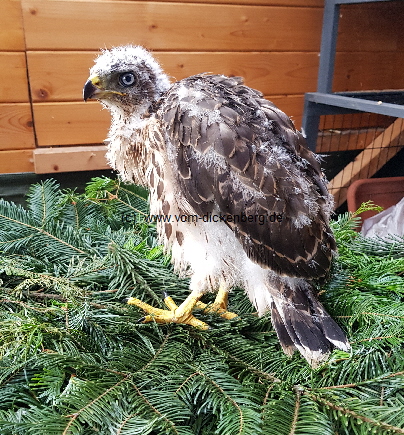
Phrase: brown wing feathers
x=238 y=154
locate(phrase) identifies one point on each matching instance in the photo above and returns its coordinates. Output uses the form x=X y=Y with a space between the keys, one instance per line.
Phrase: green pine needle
x=75 y=361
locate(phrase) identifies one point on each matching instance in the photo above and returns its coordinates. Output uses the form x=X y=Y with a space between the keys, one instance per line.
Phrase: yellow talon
x=175 y=314
x=219 y=306
x=183 y=313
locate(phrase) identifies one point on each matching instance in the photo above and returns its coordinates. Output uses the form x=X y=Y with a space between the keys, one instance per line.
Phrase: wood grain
x=303 y=3
x=274 y=44
x=70 y=123
x=371 y=27
x=16 y=126
x=60 y=76
x=74 y=123
x=87 y=25
x=67 y=25
x=13 y=78
x=11 y=30
x=360 y=71
x=13 y=161
x=70 y=159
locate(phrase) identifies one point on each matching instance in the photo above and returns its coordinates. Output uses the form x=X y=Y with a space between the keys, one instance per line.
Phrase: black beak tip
x=88 y=90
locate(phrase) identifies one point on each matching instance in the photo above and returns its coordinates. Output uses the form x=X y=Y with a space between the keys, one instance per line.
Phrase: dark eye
x=127 y=79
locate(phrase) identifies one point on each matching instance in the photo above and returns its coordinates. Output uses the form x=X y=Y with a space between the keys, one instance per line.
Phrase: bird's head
x=126 y=79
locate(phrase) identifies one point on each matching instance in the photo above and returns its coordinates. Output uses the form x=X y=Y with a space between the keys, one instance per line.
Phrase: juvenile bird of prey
x=248 y=202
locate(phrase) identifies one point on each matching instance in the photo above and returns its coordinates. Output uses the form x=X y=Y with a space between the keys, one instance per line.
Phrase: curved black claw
x=165 y=294
x=141 y=320
x=125 y=300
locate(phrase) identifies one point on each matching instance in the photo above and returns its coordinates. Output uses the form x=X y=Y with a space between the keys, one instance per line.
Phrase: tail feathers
x=287 y=343
x=302 y=323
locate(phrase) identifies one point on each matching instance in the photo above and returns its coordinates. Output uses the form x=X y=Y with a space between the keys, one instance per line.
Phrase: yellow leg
x=175 y=314
x=219 y=306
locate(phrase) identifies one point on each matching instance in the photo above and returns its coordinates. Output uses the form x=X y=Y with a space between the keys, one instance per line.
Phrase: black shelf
x=326 y=102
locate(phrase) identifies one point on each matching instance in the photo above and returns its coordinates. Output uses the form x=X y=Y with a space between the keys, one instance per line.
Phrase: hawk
x=245 y=202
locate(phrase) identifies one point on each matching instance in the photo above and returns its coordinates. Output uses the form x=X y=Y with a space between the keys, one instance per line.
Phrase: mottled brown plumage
x=209 y=146
x=262 y=155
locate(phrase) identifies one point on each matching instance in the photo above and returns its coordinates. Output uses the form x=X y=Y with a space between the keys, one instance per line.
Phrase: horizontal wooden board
x=371 y=27
x=87 y=123
x=13 y=78
x=11 y=30
x=70 y=123
x=66 y=25
x=59 y=76
x=70 y=159
x=16 y=127
x=305 y=3
x=14 y=161
x=363 y=71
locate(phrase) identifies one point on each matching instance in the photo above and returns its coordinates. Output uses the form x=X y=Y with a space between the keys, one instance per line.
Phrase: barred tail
x=302 y=323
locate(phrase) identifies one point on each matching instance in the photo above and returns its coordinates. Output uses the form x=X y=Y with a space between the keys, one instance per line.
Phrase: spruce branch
x=229 y=399
x=296 y=411
x=373 y=423
x=159 y=415
x=75 y=360
x=32 y=230
x=370 y=381
x=245 y=364
x=75 y=415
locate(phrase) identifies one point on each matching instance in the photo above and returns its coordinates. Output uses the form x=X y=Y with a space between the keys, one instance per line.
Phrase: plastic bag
x=389 y=221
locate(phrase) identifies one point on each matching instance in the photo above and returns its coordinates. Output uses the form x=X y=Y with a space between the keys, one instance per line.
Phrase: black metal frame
x=324 y=101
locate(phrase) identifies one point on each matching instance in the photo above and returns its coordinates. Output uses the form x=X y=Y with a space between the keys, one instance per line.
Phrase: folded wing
x=238 y=155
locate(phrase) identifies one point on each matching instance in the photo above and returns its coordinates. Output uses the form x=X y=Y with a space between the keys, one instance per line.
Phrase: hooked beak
x=91 y=88
x=94 y=89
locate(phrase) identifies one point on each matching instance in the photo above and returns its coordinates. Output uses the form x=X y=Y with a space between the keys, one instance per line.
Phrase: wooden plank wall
x=16 y=126
x=274 y=44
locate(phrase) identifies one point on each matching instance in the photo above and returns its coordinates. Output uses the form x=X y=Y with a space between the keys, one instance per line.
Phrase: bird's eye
x=127 y=79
